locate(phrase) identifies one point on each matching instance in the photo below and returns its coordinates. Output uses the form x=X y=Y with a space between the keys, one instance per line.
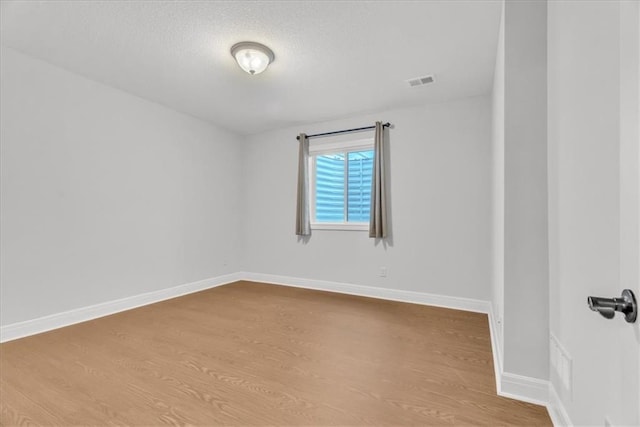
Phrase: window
x=341 y=184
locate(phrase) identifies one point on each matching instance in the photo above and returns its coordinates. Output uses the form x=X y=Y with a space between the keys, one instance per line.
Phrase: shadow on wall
x=304 y=239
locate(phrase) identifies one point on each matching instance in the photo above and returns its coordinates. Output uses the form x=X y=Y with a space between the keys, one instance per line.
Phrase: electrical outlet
x=383 y=272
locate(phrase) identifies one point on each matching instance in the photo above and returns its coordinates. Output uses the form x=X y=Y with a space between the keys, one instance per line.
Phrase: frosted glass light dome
x=252 y=57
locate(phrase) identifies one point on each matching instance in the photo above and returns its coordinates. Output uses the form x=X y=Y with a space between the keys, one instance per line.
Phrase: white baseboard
x=557 y=411
x=466 y=304
x=519 y=387
x=59 y=320
x=527 y=389
x=496 y=346
x=43 y=324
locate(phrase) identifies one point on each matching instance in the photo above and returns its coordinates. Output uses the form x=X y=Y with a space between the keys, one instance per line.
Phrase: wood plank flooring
x=257 y=354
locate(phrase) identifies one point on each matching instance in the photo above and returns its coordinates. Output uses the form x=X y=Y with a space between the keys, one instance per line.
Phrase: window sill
x=361 y=226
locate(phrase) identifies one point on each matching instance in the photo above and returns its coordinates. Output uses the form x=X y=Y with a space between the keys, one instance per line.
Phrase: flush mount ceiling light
x=252 y=57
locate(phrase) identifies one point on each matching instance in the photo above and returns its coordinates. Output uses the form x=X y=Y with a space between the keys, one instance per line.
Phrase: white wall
x=519 y=292
x=440 y=173
x=497 y=186
x=526 y=280
x=106 y=195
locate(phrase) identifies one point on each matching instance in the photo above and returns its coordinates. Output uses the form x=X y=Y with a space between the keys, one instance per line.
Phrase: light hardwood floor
x=258 y=354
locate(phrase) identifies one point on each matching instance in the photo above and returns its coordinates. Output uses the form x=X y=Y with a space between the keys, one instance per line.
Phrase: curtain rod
x=386 y=125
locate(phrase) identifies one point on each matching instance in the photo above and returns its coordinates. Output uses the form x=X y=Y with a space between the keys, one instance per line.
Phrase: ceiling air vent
x=419 y=81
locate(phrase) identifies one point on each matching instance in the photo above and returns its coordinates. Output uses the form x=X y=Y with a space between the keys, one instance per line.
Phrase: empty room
x=315 y=213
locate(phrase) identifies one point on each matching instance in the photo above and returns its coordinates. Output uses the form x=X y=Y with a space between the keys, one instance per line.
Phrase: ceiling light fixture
x=252 y=57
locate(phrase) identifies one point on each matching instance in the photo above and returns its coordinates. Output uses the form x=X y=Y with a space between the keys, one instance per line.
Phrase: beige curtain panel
x=303 y=223
x=378 y=215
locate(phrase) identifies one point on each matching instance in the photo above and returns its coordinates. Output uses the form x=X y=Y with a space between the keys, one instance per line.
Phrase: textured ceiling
x=333 y=59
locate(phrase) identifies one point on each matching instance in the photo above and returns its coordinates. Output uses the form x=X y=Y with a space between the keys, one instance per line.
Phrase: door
x=594 y=207
x=625 y=360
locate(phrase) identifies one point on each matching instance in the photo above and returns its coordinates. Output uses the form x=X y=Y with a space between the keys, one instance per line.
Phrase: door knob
x=607 y=307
